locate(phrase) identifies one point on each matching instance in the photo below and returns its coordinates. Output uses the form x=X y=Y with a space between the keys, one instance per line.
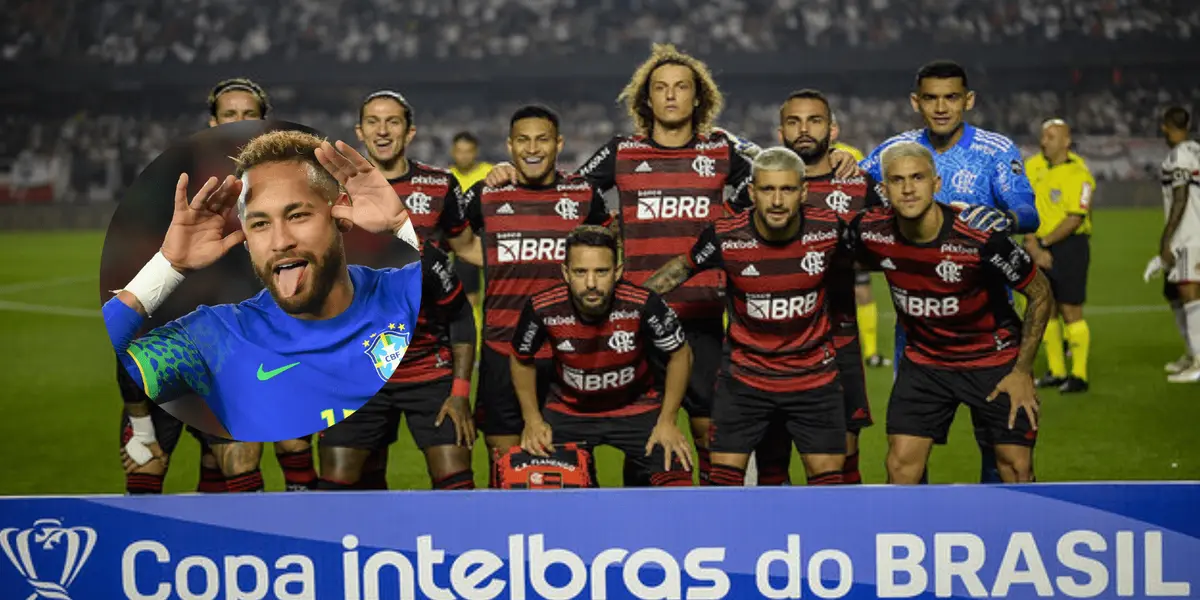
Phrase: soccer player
x=780 y=364
x=432 y=389
x=521 y=246
x=601 y=329
x=806 y=125
x=314 y=308
x=1061 y=247
x=950 y=285
x=468 y=170
x=1179 y=249
x=980 y=168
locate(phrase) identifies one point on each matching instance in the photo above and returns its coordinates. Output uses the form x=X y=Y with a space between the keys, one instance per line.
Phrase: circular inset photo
x=260 y=283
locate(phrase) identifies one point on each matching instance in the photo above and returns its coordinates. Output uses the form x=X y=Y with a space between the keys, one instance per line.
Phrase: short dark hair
x=808 y=94
x=534 y=111
x=397 y=96
x=592 y=236
x=1177 y=117
x=942 y=69
x=239 y=84
x=465 y=136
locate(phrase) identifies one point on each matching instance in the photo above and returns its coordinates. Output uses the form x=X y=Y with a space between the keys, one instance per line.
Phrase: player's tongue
x=288 y=278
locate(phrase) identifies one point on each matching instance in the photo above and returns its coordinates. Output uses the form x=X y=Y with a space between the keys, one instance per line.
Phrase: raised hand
x=374 y=205
x=195 y=237
x=501 y=174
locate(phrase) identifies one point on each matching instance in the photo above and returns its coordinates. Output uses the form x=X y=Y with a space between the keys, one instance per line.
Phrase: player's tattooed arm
x=670 y=276
x=461 y=228
x=705 y=254
x=1179 y=201
x=1038 y=310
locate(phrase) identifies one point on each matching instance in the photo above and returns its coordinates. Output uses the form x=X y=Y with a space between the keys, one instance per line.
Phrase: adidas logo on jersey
x=643 y=168
x=887 y=264
x=565 y=346
x=507 y=209
x=750 y=271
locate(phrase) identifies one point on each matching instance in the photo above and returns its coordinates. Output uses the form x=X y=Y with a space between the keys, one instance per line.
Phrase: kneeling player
x=780 y=363
x=965 y=343
x=600 y=327
x=431 y=388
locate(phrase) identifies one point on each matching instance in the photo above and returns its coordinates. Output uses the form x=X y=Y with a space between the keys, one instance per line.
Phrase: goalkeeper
x=321 y=339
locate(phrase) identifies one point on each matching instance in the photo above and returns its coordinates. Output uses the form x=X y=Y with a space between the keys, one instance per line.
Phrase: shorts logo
x=567 y=209
x=622 y=341
x=950 y=272
x=704 y=166
x=838 y=201
x=48 y=536
x=963 y=181
x=671 y=207
x=386 y=348
x=813 y=263
x=418 y=203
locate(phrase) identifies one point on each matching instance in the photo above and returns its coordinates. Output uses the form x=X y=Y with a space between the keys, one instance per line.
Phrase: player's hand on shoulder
x=458 y=409
x=501 y=174
x=844 y=165
x=983 y=218
x=743 y=146
x=196 y=236
x=374 y=205
x=536 y=438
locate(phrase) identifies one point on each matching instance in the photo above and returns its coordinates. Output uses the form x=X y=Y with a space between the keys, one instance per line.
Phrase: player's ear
x=559 y=145
x=564 y=273
x=915 y=102
x=359 y=133
x=212 y=121
x=970 y=101
x=937 y=184
x=412 y=132
x=779 y=133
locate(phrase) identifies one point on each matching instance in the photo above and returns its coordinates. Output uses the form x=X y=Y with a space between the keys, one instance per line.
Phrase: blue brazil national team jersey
x=982 y=168
x=268 y=375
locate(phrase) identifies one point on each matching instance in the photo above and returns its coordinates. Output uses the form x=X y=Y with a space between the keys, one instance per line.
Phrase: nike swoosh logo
x=265 y=375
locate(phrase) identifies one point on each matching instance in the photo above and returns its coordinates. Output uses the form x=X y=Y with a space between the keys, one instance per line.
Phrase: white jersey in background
x=1182 y=169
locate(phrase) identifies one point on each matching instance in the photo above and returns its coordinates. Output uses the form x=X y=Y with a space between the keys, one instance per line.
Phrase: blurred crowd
x=94 y=156
x=224 y=31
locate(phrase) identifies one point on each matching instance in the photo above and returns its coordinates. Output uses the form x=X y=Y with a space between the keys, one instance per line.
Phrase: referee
x=1064 y=188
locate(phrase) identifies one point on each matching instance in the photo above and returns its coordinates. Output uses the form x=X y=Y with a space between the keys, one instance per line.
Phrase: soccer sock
x=989 y=472
x=1182 y=323
x=1052 y=342
x=772 y=473
x=298 y=471
x=725 y=475
x=211 y=480
x=1080 y=339
x=375 y=479
x=143 y=483
x=334 y=486
x=462 y=480
x=868 y=328
x=246 y=482
x=850 y=474
x=1193 y=326
x=671 y=479
x=704 y=465
x=924 y=477
x=830 y=478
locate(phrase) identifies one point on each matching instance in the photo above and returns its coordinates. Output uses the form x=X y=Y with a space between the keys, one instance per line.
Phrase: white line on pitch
x=48 y=310
x=43 y=284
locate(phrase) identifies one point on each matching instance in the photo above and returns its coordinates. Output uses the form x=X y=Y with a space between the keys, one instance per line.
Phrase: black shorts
x=1170 y=291
x=167 y=430
x=497 y=410
x=627 y=434
x=377 y=423
x=706 y=338
x=925 y=399
x=1068 y=274
x=862 y=278
x=854 y=387
x=468 y=274
x=816 y=419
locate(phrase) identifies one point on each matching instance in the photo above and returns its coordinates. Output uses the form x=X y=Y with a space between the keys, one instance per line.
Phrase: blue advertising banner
x=1034 y=541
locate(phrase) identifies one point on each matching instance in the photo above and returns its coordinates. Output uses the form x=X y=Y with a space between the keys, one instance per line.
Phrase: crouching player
x=601 y=328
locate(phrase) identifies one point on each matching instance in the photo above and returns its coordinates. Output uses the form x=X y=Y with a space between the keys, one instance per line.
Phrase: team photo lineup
x=700 y=301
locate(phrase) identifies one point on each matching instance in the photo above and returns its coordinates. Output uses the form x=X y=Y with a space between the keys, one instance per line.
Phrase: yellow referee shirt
x=473 y=176
x=1037 y=166
x=855 y=152
x=1063 y=190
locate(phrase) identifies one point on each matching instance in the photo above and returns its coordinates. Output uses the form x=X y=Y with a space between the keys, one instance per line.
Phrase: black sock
x=375 y=479
x=462 y=480
x=830 y=478
x=251 y=481
x=725 y=475
x=331 y=485
x=298 y=472
x=143 y=483
x=850 y=474
x=211 y=480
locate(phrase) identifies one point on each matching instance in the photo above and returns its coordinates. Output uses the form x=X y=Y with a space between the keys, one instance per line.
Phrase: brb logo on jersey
x=29 y=551
x=568 y=209
x=386 y=348
x=672 y=207
x=597 y=382
x=764 y=307
x=523 y=249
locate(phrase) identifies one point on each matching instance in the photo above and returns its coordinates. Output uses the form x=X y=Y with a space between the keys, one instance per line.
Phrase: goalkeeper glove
x=983 y=218
x=742 y=146
x=1154 y=267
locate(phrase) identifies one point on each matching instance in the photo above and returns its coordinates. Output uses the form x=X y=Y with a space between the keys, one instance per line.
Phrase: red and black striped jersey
x=427 y=191
x=780 y=335
x=601 y=365
x=429 y=357
x=951 y=294
x=847 y=198
x=524 y=232
x=667 y=196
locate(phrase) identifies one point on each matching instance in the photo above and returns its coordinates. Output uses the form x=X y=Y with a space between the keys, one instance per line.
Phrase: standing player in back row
x=978 y=168
x=1179 y=247
x=950 y=284
x=522 y=243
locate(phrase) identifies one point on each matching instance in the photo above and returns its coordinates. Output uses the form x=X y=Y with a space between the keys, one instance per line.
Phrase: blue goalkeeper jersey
x=266 y=375
x=984 y=167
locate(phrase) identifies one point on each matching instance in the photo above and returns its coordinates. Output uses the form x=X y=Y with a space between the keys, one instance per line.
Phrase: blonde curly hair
x=636 y=94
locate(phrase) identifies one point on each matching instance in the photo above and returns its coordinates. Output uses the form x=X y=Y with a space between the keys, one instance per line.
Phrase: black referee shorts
x=1068 y=274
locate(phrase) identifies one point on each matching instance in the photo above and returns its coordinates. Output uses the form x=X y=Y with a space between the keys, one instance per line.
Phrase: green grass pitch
x=58 y=434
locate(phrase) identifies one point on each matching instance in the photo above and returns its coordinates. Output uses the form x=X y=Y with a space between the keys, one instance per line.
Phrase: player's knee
x=904 y=468
x=458 y=480
x=1015 y=463
x=290 y=446
x=342 y=465
x=208 y=461
x=446 y=460
x=1071 y=312
x=824 y=463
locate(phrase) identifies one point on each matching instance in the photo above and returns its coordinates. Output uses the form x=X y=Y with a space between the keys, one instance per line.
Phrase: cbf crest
x=386 y=348
x=48 y=555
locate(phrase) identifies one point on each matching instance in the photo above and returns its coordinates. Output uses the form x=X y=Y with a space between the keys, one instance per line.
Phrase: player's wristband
x=409 y=235
x=154 y=283
x=143 y=429
x=461 y=387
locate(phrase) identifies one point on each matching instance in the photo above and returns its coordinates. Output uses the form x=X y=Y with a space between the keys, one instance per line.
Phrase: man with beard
x=602 y=329
x=779 y=364
x=432 y=391
x=323 y=336
x=144 y=427
x=521 y=246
